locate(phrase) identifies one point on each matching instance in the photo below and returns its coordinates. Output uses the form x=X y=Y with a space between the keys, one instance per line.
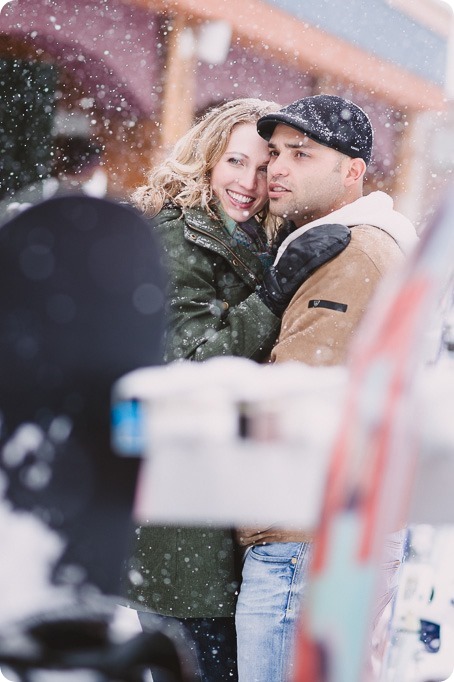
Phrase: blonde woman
x=211 y=205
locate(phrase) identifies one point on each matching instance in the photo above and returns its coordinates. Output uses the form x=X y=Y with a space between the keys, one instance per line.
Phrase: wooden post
x=179 y=83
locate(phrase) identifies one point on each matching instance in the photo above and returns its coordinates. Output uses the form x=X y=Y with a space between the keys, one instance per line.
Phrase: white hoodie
x=375 y=209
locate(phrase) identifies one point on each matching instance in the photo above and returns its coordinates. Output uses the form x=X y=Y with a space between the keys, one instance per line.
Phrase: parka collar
x=212 y=234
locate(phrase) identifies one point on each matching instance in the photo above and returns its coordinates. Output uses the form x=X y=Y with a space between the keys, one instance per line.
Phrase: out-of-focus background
x=92 y=93
x=131 y=75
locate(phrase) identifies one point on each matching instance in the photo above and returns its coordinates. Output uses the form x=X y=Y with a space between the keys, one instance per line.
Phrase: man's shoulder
x=370 y=235
x=377 y=245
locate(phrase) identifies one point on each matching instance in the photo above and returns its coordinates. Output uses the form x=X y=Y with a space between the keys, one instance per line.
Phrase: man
x=320 y=147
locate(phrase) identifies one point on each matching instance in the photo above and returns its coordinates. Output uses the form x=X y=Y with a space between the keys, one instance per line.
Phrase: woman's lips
x=241 y=200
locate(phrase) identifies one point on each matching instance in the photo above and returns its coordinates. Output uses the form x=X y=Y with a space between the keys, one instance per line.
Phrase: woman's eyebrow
x=232 y=151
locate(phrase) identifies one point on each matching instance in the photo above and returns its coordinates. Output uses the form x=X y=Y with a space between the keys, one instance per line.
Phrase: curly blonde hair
x=184 y=176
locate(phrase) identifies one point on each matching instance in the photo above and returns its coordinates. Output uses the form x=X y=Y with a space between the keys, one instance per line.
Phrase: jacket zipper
x=235 y=256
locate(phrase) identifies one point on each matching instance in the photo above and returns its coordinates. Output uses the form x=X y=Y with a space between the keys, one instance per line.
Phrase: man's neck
x=310 y=217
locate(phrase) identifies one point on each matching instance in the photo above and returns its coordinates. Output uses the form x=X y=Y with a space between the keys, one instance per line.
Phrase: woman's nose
x=249 y=178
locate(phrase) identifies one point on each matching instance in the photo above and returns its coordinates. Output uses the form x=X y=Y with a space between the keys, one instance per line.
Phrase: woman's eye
x=232 y=160
x=263 y=169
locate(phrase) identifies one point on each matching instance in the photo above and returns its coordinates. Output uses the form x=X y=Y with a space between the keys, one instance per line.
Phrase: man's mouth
x=275 y=190
x=241 y=200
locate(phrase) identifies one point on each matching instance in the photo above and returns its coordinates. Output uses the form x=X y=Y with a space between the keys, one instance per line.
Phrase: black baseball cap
x=329 y=120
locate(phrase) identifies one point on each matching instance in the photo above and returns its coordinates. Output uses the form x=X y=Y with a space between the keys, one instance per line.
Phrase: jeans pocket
x=276 y=552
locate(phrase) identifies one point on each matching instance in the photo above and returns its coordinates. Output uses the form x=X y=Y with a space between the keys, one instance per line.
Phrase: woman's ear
x=356 y=170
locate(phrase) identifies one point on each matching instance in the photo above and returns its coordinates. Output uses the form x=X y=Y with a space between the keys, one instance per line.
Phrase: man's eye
x=263 y=169
x=301 y=154
x=273 y=153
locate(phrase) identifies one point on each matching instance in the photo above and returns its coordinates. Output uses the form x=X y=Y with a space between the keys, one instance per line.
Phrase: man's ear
x=355 y=171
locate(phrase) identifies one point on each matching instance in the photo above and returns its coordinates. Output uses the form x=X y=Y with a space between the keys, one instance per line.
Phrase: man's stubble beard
x=298 y=216
x=301 y=215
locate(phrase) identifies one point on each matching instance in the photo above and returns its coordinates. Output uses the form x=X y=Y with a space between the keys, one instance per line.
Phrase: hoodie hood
x=375 y=209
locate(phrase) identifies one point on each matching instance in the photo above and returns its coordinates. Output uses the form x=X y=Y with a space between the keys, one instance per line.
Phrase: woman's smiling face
x=239 y=178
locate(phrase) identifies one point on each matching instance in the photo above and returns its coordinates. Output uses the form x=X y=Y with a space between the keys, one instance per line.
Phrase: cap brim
x=267 y=124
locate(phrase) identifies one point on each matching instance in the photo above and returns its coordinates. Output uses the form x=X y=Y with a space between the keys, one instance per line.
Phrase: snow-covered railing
x=228 y=440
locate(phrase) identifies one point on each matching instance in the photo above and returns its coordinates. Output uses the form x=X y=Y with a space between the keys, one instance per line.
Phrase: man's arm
x=321 y=319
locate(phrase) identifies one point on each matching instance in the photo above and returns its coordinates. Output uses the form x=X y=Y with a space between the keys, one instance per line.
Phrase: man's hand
x=302 y=257
x=251 y=536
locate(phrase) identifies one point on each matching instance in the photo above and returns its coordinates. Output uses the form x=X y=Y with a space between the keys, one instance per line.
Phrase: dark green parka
x=212 y=307
x=212 y=310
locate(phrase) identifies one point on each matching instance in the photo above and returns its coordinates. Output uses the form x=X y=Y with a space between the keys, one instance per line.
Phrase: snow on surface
x=29 y=552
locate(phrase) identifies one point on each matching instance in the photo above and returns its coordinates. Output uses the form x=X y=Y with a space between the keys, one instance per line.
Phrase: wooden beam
x=179 y=84
x=281 y=36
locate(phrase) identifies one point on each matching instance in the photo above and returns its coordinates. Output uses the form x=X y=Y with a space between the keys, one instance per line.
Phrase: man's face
x=305 y=179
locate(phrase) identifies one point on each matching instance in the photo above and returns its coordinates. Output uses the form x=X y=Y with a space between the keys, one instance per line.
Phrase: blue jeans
x=272 y=590
x=272 y=593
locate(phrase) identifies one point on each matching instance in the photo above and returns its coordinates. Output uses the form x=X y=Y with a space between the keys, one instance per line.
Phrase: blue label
x=128 y=428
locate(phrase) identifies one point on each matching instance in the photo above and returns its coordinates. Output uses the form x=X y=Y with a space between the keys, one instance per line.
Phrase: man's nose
x=276 y=168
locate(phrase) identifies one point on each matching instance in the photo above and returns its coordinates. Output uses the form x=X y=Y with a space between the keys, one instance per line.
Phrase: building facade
x=134 y=73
